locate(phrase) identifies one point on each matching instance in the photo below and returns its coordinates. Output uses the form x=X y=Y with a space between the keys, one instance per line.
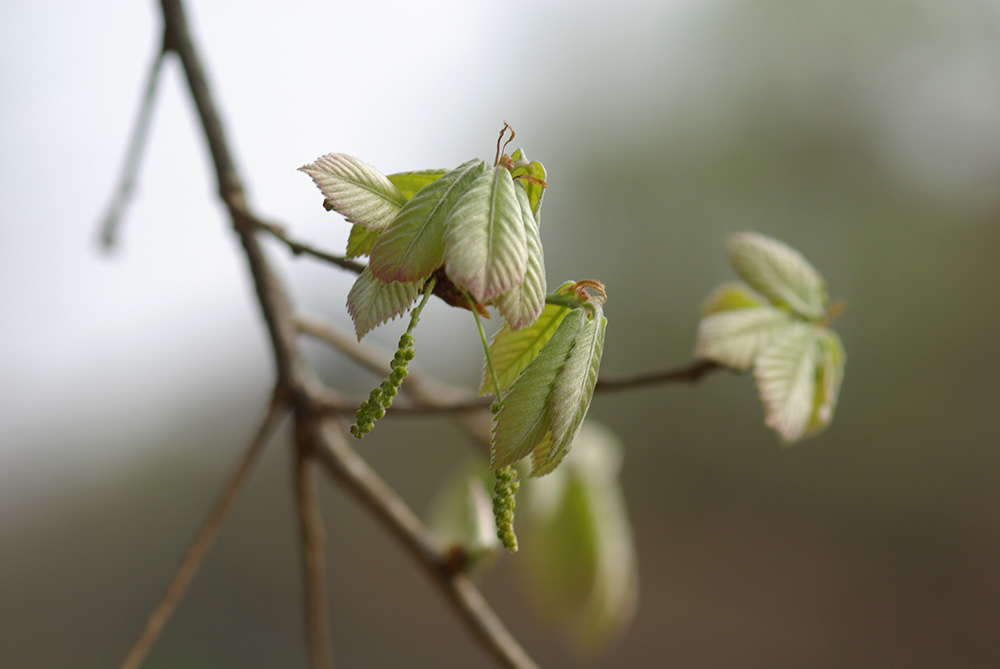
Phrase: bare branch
x=140 y=135
x=199 y=548
x=689 y=373
x=313 y=555
x=374 y=494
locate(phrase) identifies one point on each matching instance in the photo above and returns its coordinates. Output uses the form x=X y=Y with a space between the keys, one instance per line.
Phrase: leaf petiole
x=486 y=350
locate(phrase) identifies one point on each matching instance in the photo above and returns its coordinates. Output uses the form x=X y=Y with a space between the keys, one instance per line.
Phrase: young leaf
x=409 y=183
x=535 y=191
x=735 y=338
x=731 y=295
x=522 y=304
x=525 y=416
x=355 y=189
x=786 y=380
x=485 y=246
x=779 y=272
x=513 y=350
x=461 y=513
x=413 y=245
x=572 y=392
x=372 y=302
x=360 y=241
x=829 y=374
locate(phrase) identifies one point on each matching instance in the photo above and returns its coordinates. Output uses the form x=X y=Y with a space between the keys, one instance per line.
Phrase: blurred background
x=865 y=133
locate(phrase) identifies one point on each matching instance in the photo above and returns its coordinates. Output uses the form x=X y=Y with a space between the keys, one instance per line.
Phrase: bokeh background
x=865 y=133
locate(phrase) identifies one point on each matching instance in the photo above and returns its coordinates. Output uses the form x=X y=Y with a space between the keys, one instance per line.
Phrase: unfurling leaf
x=356 y=190
x=372 y=302
x=522 y=304
x=786 y=380
x=412 y=246
x=735 y=338
x=485 y=246
x=778 y=272
x=513 y=350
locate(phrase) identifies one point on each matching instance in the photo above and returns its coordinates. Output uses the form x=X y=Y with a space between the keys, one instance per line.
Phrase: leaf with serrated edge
x=372 y=302
x=525 y=416
x=412 y=247
x=485 y=247
x=735 y=338
x=355 y=189
x=512 y=351
x=409 y=183
x=572 y=392
x=521 y=305
x=360 y=241
x=830 y=373
x=731 y=295
x=786 y=374
x=778 y=272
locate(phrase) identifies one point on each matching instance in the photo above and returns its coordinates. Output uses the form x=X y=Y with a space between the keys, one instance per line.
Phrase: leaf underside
x=355 y=189
x=372 y=302
x=521 y=305
x=786 y=380
x=735 y=338
x=778 y=272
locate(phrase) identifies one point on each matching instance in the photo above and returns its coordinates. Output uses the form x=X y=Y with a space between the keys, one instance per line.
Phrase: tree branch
x=199 y=548
x=692 y=372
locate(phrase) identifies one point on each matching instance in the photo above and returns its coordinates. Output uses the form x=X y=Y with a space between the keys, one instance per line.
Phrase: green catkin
x=503 y=506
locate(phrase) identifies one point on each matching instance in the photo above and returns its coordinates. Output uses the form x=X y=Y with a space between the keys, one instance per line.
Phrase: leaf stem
x=486 y=350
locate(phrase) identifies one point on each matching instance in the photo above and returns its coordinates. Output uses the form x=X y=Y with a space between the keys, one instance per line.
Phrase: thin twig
x=196 y=553
x=313 y=555
x=140 y=135
x=376 y=496
x=689 y=373
x=300 y=248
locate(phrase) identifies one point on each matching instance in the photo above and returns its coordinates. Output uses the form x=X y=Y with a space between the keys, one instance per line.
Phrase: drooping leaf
x=732 y=295
x=522 y=304
x=409 y=183
x=485 y=246
x=355 y=189
x=572 y=391
x=360 y=241
x=461 y=512
x=511 y=350
x=412 y=246
x=735 y=338
x=582 y=558
x=786 y=380
x=830 y=373
x=525 y=416
x=778 y=272
x=372 y=302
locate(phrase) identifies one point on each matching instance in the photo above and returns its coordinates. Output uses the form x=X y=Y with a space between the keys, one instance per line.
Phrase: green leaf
x=522 y=304
x=572 y=392
x=513 y=350
x=778 y=272
x=355 y=189
x=525 y=416
x=786 y=380
x=830 y=374
x=485 y=246
x=409 y=183
x=535 y=191
x=581 y=555
x=372 y=302
x=412 y=247
x=461 y=512
x=735 y=338
x=730 y=296
x=360 y=241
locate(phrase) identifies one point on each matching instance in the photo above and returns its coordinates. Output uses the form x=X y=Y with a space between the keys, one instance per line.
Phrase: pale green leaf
x=582 y=561
x=572 y=392
x=409 y=183
x=525 y=417
x=521 y=305
x=786 y=375
x=372 y=302
x=735 y=338
x=360 y=241
x=511 y=350
x=778 y=272
x=485 y=246
x=830 y=374
x=535 y=191
x=412 y=247
x=355 y=189
x=730 y=296
x=461 y=513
